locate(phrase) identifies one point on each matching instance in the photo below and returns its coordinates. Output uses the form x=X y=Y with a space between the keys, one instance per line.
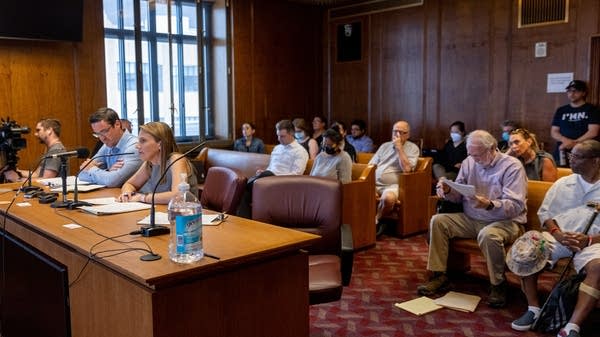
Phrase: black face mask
x=329 y=150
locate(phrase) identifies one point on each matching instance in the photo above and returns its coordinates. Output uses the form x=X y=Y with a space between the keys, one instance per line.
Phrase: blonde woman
x=539 y=165
x=157 y=149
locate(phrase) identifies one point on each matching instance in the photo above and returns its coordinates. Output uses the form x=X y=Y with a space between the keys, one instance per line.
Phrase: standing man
x=287 y=158
x=48 y=132
x=494 y=215
x=564 y=214
x=574 y=122
x=111 y=171
x=358 y=138
x=398 y=156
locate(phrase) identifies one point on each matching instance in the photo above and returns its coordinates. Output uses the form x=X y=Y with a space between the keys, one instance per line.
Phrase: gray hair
x=482 y=138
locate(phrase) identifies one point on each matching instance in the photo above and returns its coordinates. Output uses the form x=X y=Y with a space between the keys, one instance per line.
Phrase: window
x=164 y=61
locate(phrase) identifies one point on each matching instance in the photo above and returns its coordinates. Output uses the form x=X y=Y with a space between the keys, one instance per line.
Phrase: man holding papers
x=108 y=168
x=494 y=215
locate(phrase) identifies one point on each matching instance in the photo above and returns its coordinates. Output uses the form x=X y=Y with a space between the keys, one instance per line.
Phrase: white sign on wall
x=558 y=82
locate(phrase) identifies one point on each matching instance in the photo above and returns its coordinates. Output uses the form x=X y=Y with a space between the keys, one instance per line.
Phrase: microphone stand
x=30 y=187
x=153 y=229
x=76 y=203
x=63 y=175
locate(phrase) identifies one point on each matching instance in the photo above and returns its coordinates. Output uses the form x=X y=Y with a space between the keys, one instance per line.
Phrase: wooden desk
x=259 y=287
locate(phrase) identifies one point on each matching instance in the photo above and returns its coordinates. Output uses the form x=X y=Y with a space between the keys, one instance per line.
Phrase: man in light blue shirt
x=358 y=139
x=107 y=167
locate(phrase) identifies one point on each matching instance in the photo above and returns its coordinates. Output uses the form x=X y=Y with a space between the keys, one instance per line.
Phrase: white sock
x=571 y=326
x=535 y=310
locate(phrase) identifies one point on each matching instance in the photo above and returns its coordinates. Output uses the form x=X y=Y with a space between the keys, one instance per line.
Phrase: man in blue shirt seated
x=358 y=139
x=107 y=167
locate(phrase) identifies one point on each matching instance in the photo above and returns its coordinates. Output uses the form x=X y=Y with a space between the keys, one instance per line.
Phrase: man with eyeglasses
x=397 y=156
x=574 y=122
x=107 y=167
x=564 y=214
x=48 y=132
x=358 y=138
x=494 y=215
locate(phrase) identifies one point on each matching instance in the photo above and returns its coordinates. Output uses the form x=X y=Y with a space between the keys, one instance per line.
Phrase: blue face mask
x=456 y=137
x=505 y=136
x=299 y=135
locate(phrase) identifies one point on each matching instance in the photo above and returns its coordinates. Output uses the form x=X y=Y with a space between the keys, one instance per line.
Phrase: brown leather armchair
x=223 y=189
x=313 y=205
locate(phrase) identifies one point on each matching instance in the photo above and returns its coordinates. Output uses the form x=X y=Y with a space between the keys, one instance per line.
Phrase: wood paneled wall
x=63 y=80
x=457 y=60
x=277 y=63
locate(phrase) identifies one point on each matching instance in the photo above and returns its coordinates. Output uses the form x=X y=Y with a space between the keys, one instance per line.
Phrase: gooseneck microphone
x=76 y=203
x=153 y=229
x=80 y=153
x=30 y=187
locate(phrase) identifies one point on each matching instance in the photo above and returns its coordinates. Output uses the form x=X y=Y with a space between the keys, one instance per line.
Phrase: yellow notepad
x=419 y=306
x=459 y=301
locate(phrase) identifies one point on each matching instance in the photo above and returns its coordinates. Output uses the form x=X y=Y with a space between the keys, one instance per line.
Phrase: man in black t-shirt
x=574 y=122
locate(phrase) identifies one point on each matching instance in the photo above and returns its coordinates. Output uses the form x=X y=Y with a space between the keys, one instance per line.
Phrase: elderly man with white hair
x=494 y=215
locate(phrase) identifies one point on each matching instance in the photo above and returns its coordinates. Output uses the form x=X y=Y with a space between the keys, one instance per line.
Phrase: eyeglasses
x=576 y=156
x=102 y=132
x=402 y=133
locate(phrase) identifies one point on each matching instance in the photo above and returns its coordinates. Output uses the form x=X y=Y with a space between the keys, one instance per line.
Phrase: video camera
x=11 y=142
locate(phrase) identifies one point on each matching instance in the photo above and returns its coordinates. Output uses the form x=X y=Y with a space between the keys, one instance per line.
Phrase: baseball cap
x=577 y=85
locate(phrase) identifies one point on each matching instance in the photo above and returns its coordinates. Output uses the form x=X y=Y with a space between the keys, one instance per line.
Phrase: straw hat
x=528 y=254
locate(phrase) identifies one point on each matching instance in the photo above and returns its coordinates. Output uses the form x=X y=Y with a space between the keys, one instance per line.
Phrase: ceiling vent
x=534 y=13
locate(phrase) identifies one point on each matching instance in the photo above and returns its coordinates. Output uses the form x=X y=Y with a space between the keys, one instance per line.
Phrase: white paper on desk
x=58 y=181
x=115 y=208
x=80 y=188
x=466 y=190
x=162 y=218
x=100 y=201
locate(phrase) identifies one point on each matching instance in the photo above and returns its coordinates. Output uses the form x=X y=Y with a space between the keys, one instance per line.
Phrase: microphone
x=153 y=229
x=27 y=181
x=81 y=152
x=76 y=203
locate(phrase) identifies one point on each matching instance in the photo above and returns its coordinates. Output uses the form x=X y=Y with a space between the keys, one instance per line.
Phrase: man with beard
x=48 y=132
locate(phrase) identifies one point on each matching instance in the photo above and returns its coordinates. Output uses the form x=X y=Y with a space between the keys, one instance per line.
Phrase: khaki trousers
x=491 y=238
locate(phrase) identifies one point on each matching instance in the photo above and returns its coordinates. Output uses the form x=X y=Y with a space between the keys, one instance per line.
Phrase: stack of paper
x=419 y=306
x=115 y=208
x=458 y=301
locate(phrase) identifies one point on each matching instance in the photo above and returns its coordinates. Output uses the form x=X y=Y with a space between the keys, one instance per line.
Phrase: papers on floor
x=465 y=190
x=459 y=301
x=162 y=218
x=115 y=208
x=419 y=306
x=452 y=300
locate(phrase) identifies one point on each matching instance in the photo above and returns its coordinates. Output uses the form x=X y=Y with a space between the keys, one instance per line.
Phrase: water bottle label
x=188 y=231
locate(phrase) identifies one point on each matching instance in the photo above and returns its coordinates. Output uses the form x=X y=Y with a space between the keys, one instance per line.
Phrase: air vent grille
x=542 y=12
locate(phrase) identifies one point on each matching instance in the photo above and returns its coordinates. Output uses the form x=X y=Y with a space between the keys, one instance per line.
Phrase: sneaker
x=437 y=283
x=572 y=333
x=524 y=322
x=497 y=298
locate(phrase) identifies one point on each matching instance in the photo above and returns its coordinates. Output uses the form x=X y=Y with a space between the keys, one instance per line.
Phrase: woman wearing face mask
x=507 y=127
x=332 y=161
x=303 y=137
x=539 y=165
x=453 y=153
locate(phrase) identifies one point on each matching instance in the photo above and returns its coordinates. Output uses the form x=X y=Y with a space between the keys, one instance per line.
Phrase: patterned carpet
x=390 y=273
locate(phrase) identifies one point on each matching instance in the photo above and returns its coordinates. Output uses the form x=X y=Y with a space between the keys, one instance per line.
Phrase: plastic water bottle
x=185 y=216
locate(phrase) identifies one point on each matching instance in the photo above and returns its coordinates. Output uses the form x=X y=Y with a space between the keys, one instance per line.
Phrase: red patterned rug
x=389 y=273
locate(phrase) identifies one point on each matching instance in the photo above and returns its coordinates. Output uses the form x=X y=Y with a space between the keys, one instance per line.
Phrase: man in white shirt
x=392 y=158
x=287 y=158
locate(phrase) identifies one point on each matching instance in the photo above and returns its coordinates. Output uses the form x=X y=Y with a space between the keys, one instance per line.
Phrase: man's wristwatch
x=490 y=206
